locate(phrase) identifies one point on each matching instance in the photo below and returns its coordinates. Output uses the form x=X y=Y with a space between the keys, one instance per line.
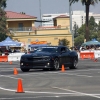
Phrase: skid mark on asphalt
x=25 y=98
x=85 y=94
x=62 y=73
x=41 y=97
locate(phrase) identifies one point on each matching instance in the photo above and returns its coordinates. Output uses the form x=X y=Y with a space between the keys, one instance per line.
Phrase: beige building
x=22 y=28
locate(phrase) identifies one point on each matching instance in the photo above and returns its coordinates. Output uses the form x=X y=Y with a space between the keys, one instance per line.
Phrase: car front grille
x=39 y=59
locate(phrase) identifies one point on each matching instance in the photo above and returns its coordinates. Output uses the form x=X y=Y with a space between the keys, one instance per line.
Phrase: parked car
x=49 y=57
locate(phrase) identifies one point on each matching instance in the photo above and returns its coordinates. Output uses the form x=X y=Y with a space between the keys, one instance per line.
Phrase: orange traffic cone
x=10 y=62
x=63 y=68
x=20 y=87
x=15 y=71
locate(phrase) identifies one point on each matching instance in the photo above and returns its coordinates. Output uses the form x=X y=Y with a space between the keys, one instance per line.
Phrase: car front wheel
x=56 y=64
x=74 y=64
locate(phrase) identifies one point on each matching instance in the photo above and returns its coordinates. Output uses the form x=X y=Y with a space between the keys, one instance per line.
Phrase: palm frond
x=73 y=1
x=92 y=2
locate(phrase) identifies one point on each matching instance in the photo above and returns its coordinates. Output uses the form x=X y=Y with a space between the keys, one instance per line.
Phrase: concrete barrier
x=15 y=56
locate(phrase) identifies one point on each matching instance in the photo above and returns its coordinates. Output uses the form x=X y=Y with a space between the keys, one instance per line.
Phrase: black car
x=49 y=57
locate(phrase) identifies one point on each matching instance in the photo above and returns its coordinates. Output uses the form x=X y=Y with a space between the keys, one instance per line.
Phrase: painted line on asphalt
x=9 y=77
x=19 y=98
x=84 y=75
x=6 y=89
x=74 y=93
x=36 y=92
x=6 y=70
x=86 y=94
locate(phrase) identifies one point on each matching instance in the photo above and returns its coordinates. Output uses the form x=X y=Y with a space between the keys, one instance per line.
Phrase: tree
x=3 y=29
x=98 y=29
x=79 y=40
x=64 y=42
x=75 y=28
x=94 y=32
x=3 y=4
x=93 y=28
x=87 y=4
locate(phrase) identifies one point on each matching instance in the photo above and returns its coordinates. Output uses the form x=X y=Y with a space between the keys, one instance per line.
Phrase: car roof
x=55 y=46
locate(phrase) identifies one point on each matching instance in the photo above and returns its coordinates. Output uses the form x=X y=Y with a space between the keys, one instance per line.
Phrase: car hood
x=39 y=54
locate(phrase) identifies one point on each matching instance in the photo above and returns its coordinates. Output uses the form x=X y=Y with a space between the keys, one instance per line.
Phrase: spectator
x=28 y=50
x=0 y=52
x=6 y=52
x=10 y=51
x=82 y=48
x=25 y=51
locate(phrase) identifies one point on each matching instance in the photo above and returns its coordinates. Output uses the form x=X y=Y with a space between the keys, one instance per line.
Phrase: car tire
x=24 y=69
x=74 y=64
x=56 y=64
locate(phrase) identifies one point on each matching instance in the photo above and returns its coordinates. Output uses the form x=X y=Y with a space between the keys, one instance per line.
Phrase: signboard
x=39 y=42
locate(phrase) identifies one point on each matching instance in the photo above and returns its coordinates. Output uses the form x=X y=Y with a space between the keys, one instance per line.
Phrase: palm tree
x=3 y=3
x=3 y=29
x=87 y=4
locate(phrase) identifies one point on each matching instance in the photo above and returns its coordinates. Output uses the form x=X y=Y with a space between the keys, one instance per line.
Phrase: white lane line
x=47 y=92
x=8 y=77
x=36 y=92
x=6 y=89
x=6 y=98
x=32 y=97
x=86 y=94
x=2 y=70
x=84 y=75
x=74 y=93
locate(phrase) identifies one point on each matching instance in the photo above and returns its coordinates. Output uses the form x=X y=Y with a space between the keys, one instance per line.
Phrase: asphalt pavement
x=77 y=84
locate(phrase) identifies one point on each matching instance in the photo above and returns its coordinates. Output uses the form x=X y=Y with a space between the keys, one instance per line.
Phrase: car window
x=31 y=51
x=67 y=49
x=46 y=49
x=64 y=49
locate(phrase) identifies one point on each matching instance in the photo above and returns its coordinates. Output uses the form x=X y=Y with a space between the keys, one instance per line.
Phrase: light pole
x=70 y=14
x=40 y=11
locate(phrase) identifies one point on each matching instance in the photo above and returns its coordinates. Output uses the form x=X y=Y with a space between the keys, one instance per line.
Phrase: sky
x=31 y=7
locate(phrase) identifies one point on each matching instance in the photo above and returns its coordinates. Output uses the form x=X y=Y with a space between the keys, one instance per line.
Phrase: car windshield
x=46 y=49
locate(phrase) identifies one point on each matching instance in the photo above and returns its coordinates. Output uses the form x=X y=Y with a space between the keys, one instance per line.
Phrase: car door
x=62 y=55
x=67 y=56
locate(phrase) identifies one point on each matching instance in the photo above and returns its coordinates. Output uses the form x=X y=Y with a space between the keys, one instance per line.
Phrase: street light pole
x=70 y=14
x=40 y=11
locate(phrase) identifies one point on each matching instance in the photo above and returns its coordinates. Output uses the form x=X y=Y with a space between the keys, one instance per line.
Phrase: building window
x=20 y=27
